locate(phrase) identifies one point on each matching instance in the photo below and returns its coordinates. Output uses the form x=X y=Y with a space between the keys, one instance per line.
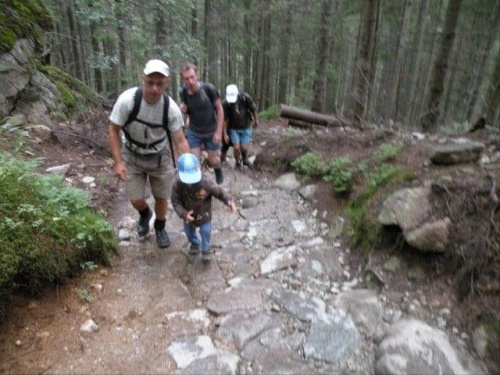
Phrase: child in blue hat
x=192 y=200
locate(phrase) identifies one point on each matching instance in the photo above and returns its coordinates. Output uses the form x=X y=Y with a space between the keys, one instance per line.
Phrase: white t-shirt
x=150 y=113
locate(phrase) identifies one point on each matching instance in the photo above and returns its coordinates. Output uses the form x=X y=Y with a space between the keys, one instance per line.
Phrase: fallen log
x=307 y=116
x=300 y=124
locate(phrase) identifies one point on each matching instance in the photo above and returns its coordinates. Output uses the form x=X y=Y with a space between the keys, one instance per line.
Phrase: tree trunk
x=209 y=42
x=414 y=67
x=363 y=63
x=194 y=25
x=400 y=55
x=96 y=51
x=284 y=70
x=74 y=43
x=307 y=116
x=480 y=70
x=160 y=30
x=247 y=53
x=492 y=109
x=373 y=63
x=437 y=13
x=322 y=57
x=429 y=119
x=120 y=28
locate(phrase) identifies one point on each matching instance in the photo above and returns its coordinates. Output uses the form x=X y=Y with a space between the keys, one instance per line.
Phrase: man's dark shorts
x=197 y=140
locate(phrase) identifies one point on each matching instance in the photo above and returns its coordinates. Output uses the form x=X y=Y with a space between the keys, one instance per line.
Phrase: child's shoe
x=206 y=256
x=194 y=249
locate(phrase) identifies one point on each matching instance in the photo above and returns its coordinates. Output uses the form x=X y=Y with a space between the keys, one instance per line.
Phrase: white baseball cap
x=232 y=93
x=156 y=66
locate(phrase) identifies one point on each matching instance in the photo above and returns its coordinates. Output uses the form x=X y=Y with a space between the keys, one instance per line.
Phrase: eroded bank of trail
x=280 y=296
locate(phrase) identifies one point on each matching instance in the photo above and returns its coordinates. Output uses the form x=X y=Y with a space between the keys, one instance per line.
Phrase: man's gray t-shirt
x=150 y=113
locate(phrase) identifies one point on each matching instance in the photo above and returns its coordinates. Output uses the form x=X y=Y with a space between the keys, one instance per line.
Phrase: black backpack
x=164 y=125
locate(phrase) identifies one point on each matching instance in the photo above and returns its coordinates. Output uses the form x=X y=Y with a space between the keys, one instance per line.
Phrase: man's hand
x=217 y=137
x=232 y=206
x=120 y=171
x=183 y=107
x=189 y=217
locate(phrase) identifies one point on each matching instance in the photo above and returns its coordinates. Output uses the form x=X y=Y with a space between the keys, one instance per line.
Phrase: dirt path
x=280 y=296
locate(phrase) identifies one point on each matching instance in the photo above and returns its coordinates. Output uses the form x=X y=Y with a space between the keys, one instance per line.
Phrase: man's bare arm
x=220 y=121
x=115 y=147
x=180 y=141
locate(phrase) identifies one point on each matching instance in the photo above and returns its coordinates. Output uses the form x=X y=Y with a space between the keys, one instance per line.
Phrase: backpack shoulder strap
x=183 y=94
x=166 y=106
x=209 y=92
x=137 y=105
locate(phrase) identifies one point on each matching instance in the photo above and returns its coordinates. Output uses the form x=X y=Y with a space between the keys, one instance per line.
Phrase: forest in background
x=422 y=64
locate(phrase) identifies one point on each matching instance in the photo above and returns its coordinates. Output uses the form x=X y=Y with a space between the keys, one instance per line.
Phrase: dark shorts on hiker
x=197 y=140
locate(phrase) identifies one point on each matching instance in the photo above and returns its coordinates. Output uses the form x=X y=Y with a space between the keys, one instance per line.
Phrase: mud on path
x=269 y=302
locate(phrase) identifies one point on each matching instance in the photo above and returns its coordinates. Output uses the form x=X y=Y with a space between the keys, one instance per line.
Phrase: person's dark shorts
x=197 y=140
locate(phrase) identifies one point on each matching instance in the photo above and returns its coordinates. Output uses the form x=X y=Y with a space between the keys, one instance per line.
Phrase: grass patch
x=311 y=164
x=47 y=230
x=341 y=173
x=363 y=228
x=270 y=113
x=373 y=173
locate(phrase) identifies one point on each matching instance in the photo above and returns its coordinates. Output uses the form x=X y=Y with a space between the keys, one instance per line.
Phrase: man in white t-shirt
x=145 y=152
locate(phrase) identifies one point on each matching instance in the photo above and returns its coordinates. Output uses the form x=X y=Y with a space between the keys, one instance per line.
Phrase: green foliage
x=455 y=129
x=75 y=94
x=270 y=113
x=362 y=228
x=91 y=266
x=21 y=131
x=311 y=164
x=387 y=151
x=46 y=228
x=341 y=173
x=22 y=18
x=84 y=295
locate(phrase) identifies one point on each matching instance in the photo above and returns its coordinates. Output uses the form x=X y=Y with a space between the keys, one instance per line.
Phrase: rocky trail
x=281 y=296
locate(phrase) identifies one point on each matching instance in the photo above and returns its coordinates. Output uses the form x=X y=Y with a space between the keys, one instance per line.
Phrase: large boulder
x=410 y=209
x=25 y=91
x=14 y=74
x=432 y=236
x=407 y=208
x=413 y=347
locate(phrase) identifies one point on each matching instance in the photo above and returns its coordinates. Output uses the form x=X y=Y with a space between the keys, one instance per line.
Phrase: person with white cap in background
x=240 y=115
x=152 y=124
x=192 y=200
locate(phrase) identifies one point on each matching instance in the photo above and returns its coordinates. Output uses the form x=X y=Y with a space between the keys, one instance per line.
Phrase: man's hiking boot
x=194 y=249
x=143 y=223
x=206 y=256
x=247 y=163
x=219 y=177
x=238 y=166
x=162 y=238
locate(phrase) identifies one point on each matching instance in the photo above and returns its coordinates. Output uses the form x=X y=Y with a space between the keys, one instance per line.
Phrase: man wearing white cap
x=239 y=114
x=152 y=124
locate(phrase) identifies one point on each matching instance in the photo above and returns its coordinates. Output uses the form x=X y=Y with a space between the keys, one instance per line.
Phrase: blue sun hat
x=189 y=169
